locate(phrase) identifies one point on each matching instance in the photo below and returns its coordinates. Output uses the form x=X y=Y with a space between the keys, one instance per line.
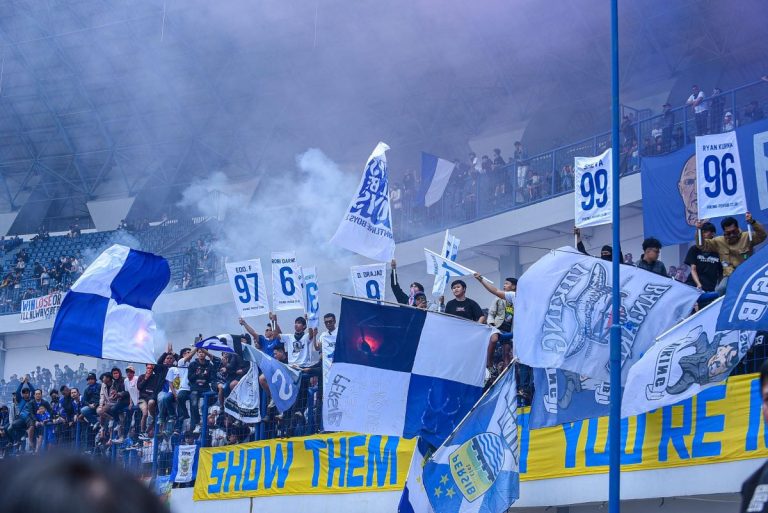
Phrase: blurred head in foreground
x=68 y=483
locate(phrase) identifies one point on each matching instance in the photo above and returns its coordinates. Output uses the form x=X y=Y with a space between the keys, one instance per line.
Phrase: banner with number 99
x=592 y=191
x=247 y=283
x=287 y=292
x=719 y=184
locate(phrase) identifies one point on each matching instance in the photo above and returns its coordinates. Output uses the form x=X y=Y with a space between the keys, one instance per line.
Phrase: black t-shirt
x=708 y=267
x=467 y=309
x=754 y=492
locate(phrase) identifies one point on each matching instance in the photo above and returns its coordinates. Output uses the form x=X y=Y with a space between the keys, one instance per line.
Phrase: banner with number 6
x=368 y=280
x=287 y=292
x=247 y=283
x=592 y=191
x=719 y=184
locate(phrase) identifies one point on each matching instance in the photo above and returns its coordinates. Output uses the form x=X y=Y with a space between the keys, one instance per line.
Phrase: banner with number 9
x=286 y=281
x=592 y=191
x=247 y=283
x=368 y=280
x=719 y=184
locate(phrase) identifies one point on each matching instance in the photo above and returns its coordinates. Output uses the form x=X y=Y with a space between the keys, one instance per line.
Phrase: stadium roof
x=108 y=99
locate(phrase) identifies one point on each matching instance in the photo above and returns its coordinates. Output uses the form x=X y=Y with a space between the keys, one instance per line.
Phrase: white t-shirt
x=300 y=352
x=131 y=386
x=328 y=345
x=179 y=376
x=510 y=297
x=701 y=107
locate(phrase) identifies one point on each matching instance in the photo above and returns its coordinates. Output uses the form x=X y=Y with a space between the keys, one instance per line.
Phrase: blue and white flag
x=403 y=371
x=223 y=343
x=563 y=312
x=685 y=360
x=184 y=468
x=563 y=396
x=435 y=174
x=108 y=311
x=477 y=469
x=367 y=226
x=745 y=306
x=439 y=266
x=244 y=401
x=283 y=381
x=450 y=252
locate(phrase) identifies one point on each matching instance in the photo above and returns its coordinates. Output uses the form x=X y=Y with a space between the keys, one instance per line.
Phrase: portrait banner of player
x=719 y=180
x=684 y=361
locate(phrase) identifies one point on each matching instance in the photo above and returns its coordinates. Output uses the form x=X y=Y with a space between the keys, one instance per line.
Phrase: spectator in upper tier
x=753 y=112
x=462 y=306
x=698 y=101
x=733 y=246
x=400 y=296
x=667 y=123
x=650 y=257
x=728 y=122
x=716 y=108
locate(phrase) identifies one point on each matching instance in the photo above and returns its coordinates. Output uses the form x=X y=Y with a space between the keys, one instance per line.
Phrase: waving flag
x=440 y=266
x=477 y=469
x=108 y=311
x=367 y=226
x=435 y=174
x=403 y=371
x=283 y=381
x=745 y=306
x=450 y=252
x=223 y=343
x=685 y=360
x=563 y=312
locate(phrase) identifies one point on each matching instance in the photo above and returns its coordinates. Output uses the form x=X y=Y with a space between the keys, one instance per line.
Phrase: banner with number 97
x=592 y=179
x=247 y=283
x=719 y=184
x=287 y=292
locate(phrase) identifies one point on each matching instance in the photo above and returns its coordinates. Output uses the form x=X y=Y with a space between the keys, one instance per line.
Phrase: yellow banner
x=722 y=423
x=329 y=463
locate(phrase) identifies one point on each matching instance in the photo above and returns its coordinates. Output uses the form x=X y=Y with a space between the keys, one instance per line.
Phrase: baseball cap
x=130 y=368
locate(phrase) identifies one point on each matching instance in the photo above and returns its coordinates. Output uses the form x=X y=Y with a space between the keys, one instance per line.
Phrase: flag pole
x=614 y=424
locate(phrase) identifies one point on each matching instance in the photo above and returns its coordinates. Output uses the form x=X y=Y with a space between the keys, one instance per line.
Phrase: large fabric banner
x=367 y=226
x=368 y=280
x=745 y=306
x=670 y=199
x=689 y=358
x=563 y=312
x=319 y=464
x=593 y=191
x=40 y=308
x=450 y=251
x=248 y=287
x=719 y=181
x=722 y=423
x=184 y=467
x=286 y=281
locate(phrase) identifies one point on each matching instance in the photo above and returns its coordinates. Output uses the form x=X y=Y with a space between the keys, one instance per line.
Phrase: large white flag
x=368 y=280
x=450 y=251
x=367 y=226
x=563 y=312
x=684 y=361
x=719 y=182
x=593 y=189
x=287 y=292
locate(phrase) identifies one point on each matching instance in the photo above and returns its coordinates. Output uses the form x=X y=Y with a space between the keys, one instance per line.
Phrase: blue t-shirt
x=267 y=345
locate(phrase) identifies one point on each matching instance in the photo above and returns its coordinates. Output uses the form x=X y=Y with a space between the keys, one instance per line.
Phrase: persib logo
x=752 y=301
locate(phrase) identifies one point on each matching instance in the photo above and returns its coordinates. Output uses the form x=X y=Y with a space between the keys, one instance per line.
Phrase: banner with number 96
x=368 y=280
x=592 y=178
x=247 y=283
x=719 y=184
x=287 y=292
